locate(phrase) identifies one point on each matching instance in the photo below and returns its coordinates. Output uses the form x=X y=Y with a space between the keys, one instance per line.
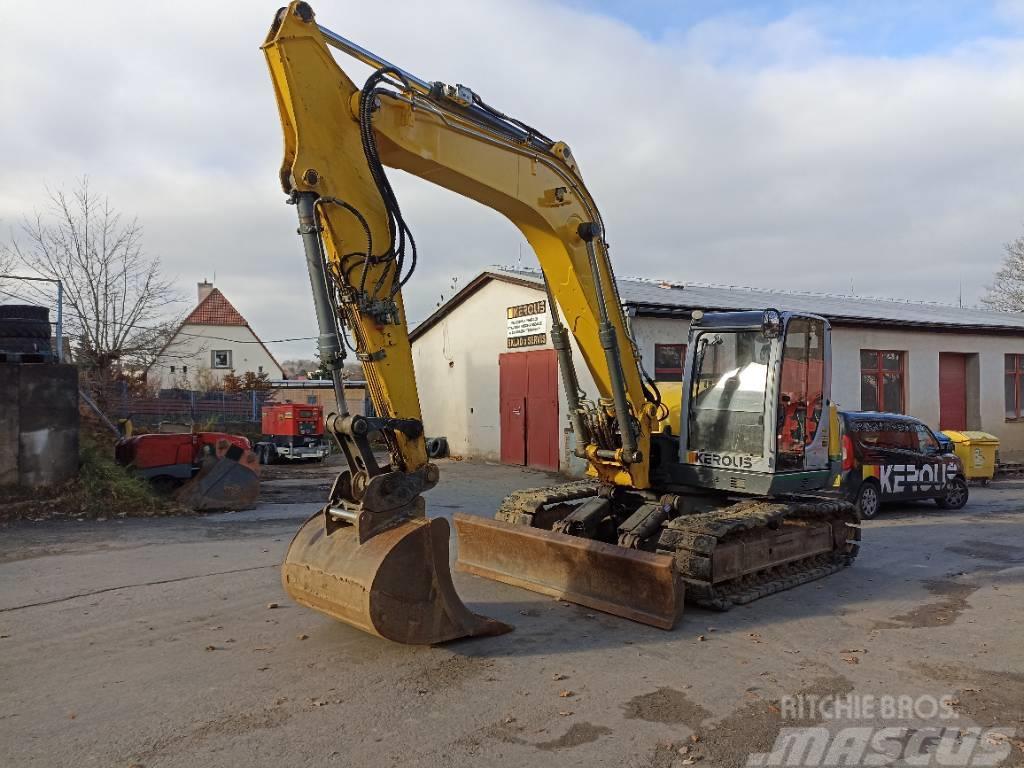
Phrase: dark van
x=889 y=457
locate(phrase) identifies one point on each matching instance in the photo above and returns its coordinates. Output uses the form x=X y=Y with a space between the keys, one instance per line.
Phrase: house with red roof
x=213 y=341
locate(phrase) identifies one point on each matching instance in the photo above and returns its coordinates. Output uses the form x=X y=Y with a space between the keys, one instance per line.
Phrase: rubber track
x=519 y=507
x=693 y=538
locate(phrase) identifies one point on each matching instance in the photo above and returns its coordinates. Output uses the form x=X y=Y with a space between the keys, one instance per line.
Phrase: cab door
x=802 y=409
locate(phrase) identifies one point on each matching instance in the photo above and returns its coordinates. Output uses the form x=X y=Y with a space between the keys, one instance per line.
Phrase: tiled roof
x=215 y=309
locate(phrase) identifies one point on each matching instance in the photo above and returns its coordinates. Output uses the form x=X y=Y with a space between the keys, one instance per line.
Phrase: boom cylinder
x=570 y=380
x=609 y=342
x=329 y=342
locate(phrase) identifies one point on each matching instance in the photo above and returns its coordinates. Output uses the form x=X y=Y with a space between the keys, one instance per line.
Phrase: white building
x=213 y=340
x=496 y=393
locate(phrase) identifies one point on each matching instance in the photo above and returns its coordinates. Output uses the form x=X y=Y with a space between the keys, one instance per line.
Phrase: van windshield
x=886 y=434
x=728 y=390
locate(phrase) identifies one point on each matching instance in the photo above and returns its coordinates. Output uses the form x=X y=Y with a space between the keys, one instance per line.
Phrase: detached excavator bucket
x=396 y=585
x=636 y=585
x=228 y=480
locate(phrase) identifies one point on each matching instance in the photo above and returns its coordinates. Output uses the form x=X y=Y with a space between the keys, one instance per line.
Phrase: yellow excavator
x=716 y=492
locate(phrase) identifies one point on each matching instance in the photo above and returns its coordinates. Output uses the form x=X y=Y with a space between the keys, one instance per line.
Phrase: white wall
x=456 y=364
x=194 y=352
x=921 y=365
x=457 y=370
x=648 y=331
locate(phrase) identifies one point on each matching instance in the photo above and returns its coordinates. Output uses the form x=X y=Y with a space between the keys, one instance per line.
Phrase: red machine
x=292 y=431
x=206 y=470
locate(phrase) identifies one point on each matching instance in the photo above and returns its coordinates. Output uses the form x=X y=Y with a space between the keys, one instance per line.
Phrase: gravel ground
x=151 y=642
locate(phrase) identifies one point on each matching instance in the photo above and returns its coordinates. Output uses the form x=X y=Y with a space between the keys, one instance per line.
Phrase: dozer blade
x=396 y=585
x=228 y=481
x=636 y=585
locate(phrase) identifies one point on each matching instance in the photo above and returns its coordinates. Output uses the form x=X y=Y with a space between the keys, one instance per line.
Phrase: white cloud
x=733 y=152
x=1010 y=10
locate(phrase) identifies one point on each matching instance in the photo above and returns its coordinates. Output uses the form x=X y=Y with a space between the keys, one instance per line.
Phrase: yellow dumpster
x=977 y=451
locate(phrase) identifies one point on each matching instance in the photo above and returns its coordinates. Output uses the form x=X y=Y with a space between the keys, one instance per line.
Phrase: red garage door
x=528 y=402
x=952 y=391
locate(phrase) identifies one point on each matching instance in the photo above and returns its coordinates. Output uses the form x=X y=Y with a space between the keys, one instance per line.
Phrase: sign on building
x=527 y=325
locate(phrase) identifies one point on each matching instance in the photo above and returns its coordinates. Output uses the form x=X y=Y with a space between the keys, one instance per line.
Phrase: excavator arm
x=371 y=557
x=337 y=137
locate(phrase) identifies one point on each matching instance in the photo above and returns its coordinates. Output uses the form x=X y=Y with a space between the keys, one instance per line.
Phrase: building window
x=260 y=369
x=184 y=369
x=668 y=362
x=172 y=369
x=1014 y=386
x=881 y=381
x=221 y=358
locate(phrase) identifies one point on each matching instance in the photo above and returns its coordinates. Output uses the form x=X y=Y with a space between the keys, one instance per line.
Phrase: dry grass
x=102 y=490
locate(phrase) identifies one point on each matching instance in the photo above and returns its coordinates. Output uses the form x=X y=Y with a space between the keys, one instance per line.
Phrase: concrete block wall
x=38 y=424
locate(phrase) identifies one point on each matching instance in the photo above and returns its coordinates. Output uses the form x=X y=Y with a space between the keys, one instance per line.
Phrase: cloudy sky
x=866 y=145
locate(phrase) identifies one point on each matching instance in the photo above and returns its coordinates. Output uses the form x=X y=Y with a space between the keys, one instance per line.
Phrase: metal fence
x=190 y=407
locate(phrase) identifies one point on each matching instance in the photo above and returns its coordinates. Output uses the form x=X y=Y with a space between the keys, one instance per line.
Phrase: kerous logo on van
x=723 y=460
x=909 y=478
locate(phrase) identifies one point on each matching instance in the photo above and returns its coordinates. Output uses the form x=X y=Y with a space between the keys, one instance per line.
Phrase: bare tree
x=116 y=297
x=7 y=265
x=1007 y=290
x=7 y=262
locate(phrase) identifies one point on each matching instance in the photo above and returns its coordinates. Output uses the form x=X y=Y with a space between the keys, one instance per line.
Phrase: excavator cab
x=756 y=415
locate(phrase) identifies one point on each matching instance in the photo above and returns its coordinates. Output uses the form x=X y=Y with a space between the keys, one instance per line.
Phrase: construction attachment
x=396 y=585
x=228 y=480
x=637 y=585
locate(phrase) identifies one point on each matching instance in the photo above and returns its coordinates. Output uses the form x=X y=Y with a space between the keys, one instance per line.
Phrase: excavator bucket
x=637 y=585
x=228 y=480
x=396 y=585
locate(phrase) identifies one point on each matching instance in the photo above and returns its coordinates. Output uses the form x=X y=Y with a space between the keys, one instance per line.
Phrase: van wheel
x=956 y=495
x=869 y=500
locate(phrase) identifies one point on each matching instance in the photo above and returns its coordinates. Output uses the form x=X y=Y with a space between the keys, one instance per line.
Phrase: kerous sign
x=527 y=324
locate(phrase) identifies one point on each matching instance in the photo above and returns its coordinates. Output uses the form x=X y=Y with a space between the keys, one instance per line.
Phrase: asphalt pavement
x=169 y=642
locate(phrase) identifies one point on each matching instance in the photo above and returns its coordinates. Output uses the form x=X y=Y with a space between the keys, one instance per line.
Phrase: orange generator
x=294 y=432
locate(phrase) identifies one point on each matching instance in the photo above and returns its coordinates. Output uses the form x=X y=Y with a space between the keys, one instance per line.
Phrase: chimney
x=204 y=290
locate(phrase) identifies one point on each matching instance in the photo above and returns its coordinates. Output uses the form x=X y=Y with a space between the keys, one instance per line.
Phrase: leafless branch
x=1007 y=290
x=116 y=297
